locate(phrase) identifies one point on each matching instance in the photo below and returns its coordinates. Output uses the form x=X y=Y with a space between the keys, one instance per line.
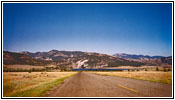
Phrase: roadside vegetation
x=154 y=75
x=31 y=84
x=32 y=68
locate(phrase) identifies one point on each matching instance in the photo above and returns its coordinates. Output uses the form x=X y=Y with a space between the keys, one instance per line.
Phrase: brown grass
x=16 y=82
x=154 y=76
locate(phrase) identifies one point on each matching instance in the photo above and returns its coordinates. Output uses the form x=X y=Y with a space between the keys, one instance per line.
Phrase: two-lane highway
x=85 y=84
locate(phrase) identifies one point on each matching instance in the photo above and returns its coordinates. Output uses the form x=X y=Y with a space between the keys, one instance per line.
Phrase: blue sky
x=135 y=28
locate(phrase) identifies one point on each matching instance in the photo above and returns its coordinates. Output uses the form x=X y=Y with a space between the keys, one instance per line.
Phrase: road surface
x=86 y=84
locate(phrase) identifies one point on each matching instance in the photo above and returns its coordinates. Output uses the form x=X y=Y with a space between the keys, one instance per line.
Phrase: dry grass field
x=24 y=84
x=142 y=68
x=22 y=68
x=153 y=76
x=27 y=67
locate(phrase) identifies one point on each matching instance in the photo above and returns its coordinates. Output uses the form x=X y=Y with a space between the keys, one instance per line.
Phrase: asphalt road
x=91 y=85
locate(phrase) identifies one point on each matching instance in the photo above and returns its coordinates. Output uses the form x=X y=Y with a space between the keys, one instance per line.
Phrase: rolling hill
x=20 y=58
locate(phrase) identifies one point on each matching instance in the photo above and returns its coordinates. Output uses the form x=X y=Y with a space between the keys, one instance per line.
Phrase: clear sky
x=135 y=28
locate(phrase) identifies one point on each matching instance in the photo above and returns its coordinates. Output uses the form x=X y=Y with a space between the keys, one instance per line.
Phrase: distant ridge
x=134 y=56
x=157 y=60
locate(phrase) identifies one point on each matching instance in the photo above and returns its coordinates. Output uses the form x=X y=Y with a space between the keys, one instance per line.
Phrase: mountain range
x=77 y=59
x=74 y=59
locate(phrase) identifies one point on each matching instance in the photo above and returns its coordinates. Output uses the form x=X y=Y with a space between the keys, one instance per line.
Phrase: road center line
x=128 y=88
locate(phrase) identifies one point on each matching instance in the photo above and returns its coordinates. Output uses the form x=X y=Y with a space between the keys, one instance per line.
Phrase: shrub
x=30 y=71
x=169 y=69
x=164 y=69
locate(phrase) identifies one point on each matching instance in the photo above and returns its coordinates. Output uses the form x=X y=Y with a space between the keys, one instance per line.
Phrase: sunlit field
x=26 y=84
x=153 y=76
